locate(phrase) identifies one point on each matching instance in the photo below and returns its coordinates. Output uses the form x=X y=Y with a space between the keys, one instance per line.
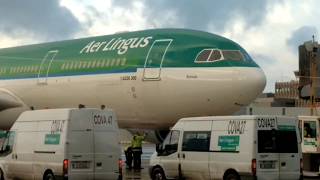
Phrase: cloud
x=300 y=36
x=264 y=60
x=41 y=19
x=200 y=14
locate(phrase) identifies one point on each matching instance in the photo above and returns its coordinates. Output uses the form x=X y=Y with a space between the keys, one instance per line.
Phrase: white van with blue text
x=62 y=144
x=230 y=147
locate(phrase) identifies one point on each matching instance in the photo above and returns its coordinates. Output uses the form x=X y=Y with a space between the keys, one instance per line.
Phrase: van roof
x=309 y=117
x=247 y=117
x=48 y=114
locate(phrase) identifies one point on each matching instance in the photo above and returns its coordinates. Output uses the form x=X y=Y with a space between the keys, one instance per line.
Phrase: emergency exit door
x=45 y=66
x=154 y=59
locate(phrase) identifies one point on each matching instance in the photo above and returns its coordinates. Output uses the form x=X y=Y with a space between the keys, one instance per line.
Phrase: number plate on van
x=80 y=164
x=267 y=165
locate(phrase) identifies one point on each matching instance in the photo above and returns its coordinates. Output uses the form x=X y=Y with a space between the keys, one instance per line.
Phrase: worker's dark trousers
x=137 y=158
x=128 y=154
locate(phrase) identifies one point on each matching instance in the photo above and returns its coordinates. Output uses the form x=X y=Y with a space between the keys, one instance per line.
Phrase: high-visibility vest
x=137 y=141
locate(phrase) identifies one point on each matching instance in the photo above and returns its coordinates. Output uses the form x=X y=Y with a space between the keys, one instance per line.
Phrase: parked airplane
x=150 y=78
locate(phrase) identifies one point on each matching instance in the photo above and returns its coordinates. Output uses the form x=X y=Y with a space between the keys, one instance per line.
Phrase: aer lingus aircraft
x=151 y=78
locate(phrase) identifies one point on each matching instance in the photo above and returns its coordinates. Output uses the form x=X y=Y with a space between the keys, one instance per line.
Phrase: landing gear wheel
x=49 y=176
x=231 y=176
x=158 y=174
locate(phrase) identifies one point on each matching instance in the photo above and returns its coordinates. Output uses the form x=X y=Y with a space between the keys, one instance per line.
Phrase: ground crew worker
x=136 y=145
x=128 y=154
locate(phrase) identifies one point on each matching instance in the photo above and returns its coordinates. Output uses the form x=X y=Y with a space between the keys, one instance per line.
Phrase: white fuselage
x=140 y=103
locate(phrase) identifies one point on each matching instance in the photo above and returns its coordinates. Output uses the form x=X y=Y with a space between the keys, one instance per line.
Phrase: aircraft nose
x=250 y=83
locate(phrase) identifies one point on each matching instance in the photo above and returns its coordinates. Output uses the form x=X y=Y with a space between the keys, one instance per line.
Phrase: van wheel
x=158 y=174
x=49 y=176
x=231 y=176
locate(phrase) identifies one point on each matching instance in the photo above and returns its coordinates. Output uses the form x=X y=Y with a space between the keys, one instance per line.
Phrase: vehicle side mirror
x=7 y=148
x=171 y=147
x=159 y=148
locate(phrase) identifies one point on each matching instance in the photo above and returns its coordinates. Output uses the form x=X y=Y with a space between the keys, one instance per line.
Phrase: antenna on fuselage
x=80 y=106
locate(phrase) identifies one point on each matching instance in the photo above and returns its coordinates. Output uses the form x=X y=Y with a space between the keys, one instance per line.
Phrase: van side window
x=196 y=141
x=7 y=142
x=309 y=129
x=170 y=144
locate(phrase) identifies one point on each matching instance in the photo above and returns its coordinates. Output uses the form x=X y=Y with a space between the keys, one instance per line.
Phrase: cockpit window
x=215 y=55
x=204 y=55
x=212 y=55
x=232 y=55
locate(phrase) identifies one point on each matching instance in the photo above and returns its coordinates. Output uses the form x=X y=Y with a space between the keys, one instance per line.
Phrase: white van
x=230 y=147
x=310 y=132
x=62 y=144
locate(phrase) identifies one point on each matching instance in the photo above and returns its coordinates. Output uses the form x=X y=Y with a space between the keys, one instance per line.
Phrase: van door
x=289 y=157
x=309 y=129
x=8 y=151
x=80 y=148
x=106 y=146
x=278 y=152
x=22 y=154
x=169 y=156
x=267 y=155
x=194 y=156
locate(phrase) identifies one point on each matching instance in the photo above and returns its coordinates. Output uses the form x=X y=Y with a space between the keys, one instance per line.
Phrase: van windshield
x=170 y=144
x=277 y=141
x=6 y=142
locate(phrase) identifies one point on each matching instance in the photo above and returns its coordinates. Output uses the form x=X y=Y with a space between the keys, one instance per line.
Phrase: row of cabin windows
x=68 y=66
x=93 y=64
x=3 y=70
x=212 y=55
x=21 y=69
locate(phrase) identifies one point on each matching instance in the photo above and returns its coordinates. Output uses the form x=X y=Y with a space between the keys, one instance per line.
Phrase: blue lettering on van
x=267 y=123
x=236 y=126
x=102 y=120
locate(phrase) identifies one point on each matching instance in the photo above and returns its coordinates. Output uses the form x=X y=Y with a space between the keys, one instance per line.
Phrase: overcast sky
x=269 y=30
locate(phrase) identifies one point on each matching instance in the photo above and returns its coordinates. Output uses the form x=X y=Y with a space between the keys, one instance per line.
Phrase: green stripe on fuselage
x=123 y=52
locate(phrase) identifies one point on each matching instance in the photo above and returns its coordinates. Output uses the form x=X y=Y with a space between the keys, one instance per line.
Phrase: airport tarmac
x=134 y=174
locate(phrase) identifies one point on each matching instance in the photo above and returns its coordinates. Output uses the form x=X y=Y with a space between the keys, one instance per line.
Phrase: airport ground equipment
x=62 y=144
x=230 y=147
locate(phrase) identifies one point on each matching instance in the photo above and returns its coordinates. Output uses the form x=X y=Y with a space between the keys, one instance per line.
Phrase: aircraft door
x=154 y=59
x=45 y=66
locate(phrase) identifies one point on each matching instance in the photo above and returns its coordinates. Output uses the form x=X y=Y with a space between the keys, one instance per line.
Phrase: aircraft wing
x=8 y=100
